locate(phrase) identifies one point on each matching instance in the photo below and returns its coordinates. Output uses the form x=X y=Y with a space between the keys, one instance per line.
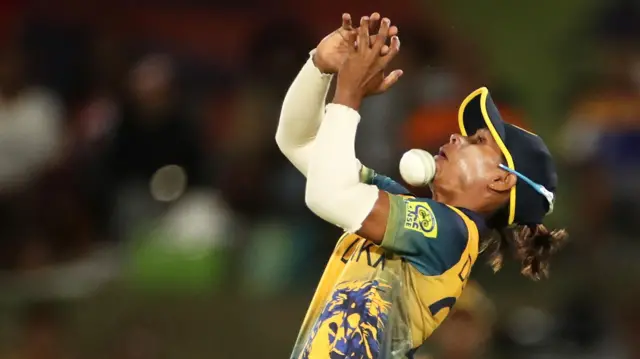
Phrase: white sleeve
x=334 y=191
x=301 y=114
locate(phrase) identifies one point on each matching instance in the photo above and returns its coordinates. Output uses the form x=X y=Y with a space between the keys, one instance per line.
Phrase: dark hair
x=531 y=245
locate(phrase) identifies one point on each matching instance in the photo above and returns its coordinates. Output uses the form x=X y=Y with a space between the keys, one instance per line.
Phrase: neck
x=482 y=205
x=455 y=200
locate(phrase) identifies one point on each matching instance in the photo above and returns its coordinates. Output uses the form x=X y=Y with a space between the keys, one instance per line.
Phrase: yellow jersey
x=383 y=302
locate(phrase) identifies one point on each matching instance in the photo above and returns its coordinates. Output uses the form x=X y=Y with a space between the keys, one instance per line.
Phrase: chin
x=437 y=182
x=441 y=188
x=435 y=188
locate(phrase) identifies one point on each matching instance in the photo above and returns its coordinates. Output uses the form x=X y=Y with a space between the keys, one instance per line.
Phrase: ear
x=503 y=182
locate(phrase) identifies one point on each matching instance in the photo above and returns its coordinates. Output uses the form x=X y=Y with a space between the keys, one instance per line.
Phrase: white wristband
x=324 y=75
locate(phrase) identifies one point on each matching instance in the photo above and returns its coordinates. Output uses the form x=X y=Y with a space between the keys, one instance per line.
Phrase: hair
x=531 y=245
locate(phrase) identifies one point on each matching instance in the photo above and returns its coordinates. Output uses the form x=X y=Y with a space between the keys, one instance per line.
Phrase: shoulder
x=435 y=219
x=434 y=235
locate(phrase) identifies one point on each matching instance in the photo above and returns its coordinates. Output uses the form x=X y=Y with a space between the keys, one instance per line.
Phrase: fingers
x=346 y=21
x=390 y=80
x=393 y=31
x=363 y=34
x=374 y=23
x=375 y=43
x=351 y=38
x=394 y=48
x=383 y=33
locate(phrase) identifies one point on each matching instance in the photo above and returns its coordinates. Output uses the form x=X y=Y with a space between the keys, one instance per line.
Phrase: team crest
x=352 y=324
x=420 y=218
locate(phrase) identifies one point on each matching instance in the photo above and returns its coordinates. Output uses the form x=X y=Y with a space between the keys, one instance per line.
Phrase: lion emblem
x=352 y=323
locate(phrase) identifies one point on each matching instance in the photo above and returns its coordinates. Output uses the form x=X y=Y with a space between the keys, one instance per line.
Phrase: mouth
x=442 y=154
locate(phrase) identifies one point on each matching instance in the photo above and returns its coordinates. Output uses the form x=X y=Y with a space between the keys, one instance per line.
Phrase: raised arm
x=301 y=114
x=334 y=191
x=303 y=106
x=404 y=225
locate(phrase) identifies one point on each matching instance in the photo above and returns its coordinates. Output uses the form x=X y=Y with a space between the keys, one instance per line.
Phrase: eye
x=482 y=139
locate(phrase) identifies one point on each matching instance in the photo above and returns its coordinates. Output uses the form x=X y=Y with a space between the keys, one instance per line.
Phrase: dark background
x=145 y=211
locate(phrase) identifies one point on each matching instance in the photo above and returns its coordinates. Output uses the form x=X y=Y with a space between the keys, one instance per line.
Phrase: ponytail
x=532 y=246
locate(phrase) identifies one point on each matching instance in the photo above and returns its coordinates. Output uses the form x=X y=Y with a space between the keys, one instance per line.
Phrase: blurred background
x=145 y=211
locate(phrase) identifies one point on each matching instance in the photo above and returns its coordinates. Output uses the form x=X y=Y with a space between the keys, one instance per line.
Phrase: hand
x=333 y=50
x=362 y=72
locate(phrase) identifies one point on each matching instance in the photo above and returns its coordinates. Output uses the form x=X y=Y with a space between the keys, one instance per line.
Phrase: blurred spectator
x=602 y=142
x=155 y=131
x=31 y=144
x=99 y=112
x=248 y=150
x=31 y=128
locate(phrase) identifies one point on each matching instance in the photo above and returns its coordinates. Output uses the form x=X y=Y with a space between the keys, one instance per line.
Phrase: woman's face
x=468 y=165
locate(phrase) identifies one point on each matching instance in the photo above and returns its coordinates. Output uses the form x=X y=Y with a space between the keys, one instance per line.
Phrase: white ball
x=417 y=167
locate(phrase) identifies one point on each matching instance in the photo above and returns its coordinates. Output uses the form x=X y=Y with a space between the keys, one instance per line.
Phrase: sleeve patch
x=420 y=218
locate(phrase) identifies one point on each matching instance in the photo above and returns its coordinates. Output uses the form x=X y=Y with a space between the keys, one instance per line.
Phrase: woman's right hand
x=333 y=50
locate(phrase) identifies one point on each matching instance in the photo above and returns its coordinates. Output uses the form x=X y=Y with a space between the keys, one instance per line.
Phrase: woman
x=403 y=261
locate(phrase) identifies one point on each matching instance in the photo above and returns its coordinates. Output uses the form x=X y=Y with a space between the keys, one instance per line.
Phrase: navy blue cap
x=525 y=154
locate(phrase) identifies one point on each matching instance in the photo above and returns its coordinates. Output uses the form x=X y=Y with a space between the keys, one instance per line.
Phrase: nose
x=455 y=139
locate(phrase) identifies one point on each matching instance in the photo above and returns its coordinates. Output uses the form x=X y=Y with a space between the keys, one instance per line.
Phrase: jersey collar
x=478 y=219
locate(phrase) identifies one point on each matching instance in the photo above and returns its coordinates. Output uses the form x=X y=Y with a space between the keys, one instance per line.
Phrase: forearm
x=301 y=115
x=334 y=191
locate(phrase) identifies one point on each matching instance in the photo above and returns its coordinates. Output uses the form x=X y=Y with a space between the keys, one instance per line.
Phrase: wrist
x=366 y=174
x=347 y=98
x=318 y=64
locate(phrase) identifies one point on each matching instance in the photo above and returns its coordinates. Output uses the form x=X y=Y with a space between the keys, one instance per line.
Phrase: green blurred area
x=156 y=262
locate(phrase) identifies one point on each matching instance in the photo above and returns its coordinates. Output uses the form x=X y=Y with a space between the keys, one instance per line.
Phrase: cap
x=525 y=154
